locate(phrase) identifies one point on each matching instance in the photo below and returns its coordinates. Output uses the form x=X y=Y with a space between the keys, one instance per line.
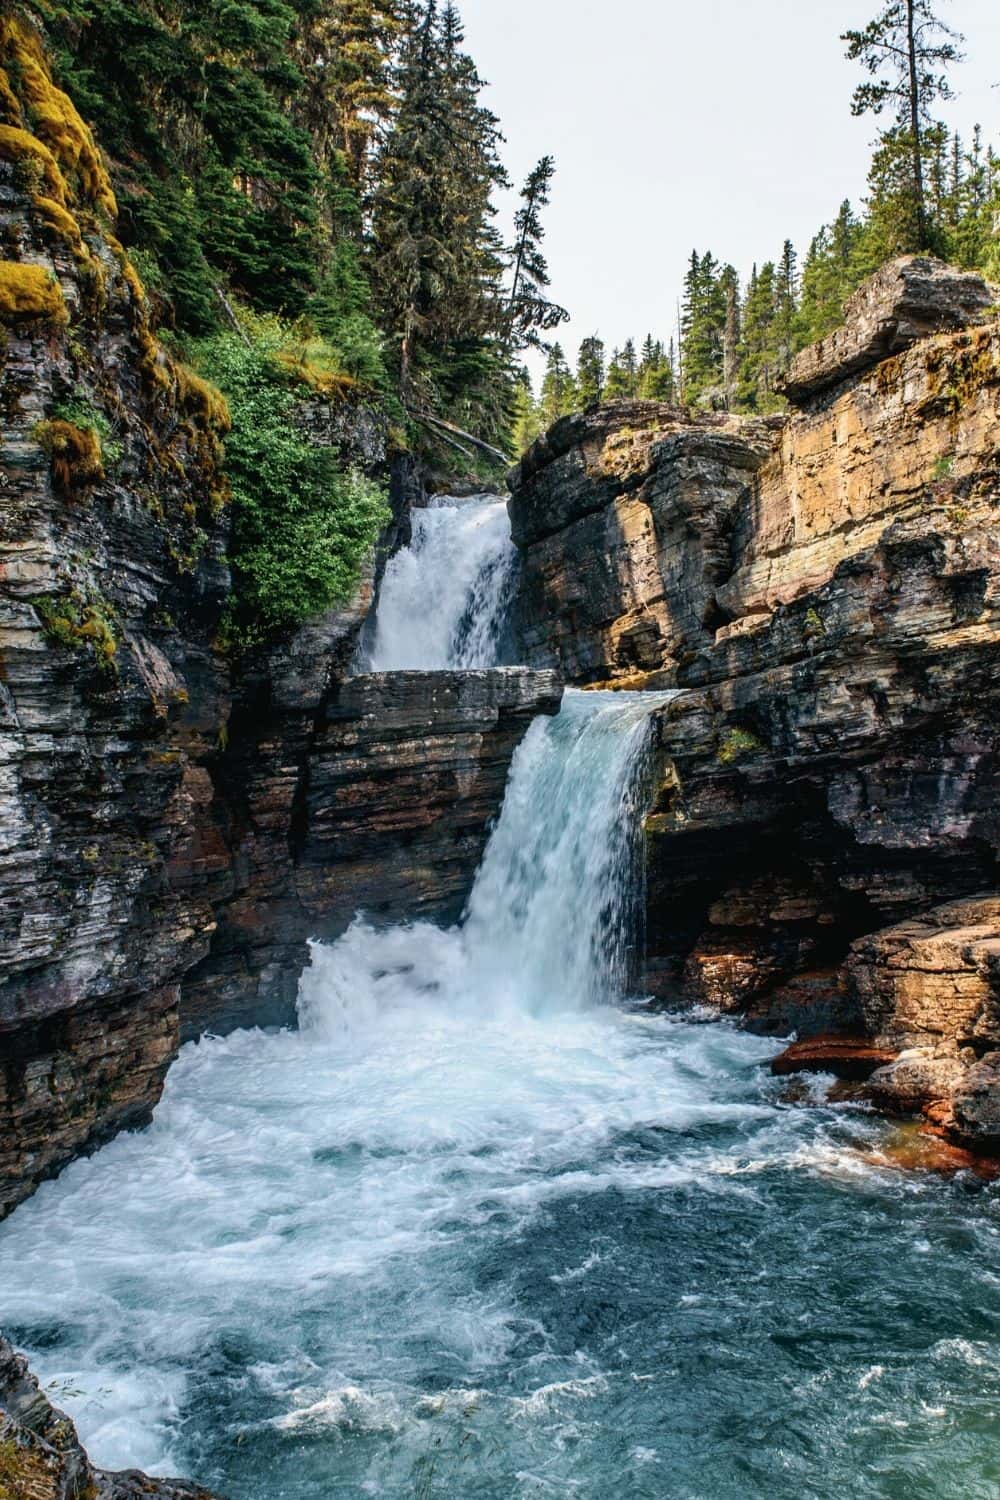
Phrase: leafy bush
x=302 y=525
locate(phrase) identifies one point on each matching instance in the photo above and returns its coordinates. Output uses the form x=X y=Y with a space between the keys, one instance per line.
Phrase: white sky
x=721 y=124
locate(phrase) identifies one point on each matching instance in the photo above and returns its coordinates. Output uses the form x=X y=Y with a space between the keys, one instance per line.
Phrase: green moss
x=83 y=414
x=24 y=1474
x=737 y=743
x=84 y=623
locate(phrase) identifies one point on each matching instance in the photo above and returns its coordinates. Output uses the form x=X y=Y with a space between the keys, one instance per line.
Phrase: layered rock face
x=166 y=814
x=832 y=768
x=111 y=584
x=625 y=518
x=387 y=814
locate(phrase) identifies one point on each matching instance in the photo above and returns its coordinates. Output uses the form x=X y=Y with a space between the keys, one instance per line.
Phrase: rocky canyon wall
x=826 y=586
x=175 y=823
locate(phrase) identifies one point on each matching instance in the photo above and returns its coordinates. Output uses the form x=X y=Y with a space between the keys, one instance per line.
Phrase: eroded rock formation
x=41 y=1457
x=167 y=812
x=831 y=769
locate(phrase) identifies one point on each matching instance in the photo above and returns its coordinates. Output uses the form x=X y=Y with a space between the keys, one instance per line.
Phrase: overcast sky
x=721 y=124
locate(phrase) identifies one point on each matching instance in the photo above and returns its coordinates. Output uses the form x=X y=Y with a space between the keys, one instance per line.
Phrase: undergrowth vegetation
x=301 y=524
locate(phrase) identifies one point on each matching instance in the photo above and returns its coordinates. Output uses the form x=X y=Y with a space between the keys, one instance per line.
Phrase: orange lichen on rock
x=29 y=291
x=53 y=116
x=74 y=453
x=201 y=398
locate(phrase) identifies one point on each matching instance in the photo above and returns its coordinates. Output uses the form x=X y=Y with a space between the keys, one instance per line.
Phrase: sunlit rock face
x=832 y=768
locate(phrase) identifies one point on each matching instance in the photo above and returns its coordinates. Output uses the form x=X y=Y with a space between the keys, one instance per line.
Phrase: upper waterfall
x=444 y=598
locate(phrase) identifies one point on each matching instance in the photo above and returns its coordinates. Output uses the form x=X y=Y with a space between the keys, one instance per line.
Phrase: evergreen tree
x=558 y=389
x=590 y=372
x=529 y=310
x=786 y=307
x=760 y=351
x=528 y=424
x=703 y=324
x=829 y=276
x=345 y=50
x=905 y=50
x=656 y=372
x=623 y=374
x=731 y=335
x=437 y=261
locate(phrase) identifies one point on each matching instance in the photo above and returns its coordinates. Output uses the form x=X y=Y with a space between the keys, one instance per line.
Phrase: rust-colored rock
x=847 y=1057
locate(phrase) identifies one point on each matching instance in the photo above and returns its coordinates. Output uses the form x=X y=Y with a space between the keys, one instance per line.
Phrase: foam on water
x=444 y=599
x=475 y=1230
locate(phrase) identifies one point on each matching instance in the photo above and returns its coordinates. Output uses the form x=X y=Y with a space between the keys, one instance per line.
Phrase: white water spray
x=444 y=599
x=551 y=917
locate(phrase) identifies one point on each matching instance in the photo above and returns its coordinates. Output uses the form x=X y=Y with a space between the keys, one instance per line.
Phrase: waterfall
x=551 y=918
x=444 y=598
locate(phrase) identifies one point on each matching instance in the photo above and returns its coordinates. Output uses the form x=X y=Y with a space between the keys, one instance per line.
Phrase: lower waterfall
x=486 y=1227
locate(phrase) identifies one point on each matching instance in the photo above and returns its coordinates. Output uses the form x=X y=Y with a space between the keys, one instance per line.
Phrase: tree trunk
x=914 y=89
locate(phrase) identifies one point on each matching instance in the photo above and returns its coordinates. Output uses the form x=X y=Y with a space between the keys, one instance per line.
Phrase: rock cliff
x=175 y=823
x=826 y=586
x=41 y=1457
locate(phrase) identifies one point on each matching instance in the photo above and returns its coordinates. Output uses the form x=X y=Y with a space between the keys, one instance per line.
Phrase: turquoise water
x=485 y=1228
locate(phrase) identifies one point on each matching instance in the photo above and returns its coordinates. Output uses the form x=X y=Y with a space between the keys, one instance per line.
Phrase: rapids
x=489 y=1226
x=485 y=1227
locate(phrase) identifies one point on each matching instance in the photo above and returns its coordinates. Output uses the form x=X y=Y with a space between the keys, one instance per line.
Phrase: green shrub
x=302 y=525
x=737 y=743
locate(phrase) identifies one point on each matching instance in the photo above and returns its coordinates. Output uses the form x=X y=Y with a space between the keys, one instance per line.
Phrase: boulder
x=853 y=1058
x=906 y=300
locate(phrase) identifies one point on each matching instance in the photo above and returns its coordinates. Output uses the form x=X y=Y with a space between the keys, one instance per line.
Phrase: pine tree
x=437 y=262
x=590 y=372
x=760 y=355
x=529 y=311
x=731 y=335
x=703 y=323
x=528 y=424
x=623 y=374
x=786 y=306
x=345 y=50
x=829 y=275
x=558 y=389
x=905 y=51
x=656 y=372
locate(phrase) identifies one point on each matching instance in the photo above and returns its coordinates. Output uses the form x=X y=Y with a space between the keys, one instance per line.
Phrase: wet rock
x=384 y=807
x=846 y=1057
x=976 y=1106
x=830 y=771
x=931 y=988
x=41 y=1457
x=923 y=1148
